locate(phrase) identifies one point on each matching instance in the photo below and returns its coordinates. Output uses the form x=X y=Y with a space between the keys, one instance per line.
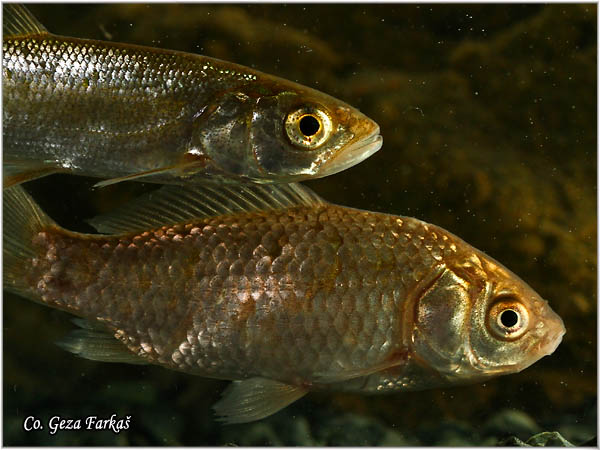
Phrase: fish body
x=281 y=291
x=120 y=111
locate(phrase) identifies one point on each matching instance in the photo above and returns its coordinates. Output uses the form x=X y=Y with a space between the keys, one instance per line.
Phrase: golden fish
x=280 y=291
x=121 y=112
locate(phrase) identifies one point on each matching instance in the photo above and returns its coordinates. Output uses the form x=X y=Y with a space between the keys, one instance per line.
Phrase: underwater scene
x=488 y=118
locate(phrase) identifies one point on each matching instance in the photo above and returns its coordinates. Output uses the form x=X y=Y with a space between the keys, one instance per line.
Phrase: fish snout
x=355 y=153
x=554 y=331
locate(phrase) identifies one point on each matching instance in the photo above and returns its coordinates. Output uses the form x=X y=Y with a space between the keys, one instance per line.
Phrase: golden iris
x=308 y=127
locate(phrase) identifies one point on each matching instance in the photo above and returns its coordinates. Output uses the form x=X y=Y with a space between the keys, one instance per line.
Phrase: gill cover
x=441 y=321
x=221 y=132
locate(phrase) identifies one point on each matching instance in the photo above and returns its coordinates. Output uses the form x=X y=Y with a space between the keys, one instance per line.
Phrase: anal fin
x=254 y=399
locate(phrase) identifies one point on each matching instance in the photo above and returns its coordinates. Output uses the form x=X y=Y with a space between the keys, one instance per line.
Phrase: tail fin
x=22 y=220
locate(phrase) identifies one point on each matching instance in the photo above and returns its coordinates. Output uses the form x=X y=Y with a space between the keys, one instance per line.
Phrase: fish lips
x=354 y=154
x=554 y=335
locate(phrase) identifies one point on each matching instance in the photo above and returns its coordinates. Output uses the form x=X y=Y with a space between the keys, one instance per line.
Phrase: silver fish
x=127 y=112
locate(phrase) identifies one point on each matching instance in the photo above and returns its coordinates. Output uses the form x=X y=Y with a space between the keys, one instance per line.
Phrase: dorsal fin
x=18 y=21
x=175 y=204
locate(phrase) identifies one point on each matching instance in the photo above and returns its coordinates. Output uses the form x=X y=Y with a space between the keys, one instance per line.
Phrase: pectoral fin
x=186 y=168
x=255 y=398
x=394 y=359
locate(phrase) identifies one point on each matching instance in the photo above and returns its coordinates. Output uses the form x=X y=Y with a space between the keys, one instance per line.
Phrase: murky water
x=489 y=121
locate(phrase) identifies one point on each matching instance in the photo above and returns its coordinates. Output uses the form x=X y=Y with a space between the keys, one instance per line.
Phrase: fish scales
x=279 y=291
x=125 y=112
x=115 y=92
x=210 y=297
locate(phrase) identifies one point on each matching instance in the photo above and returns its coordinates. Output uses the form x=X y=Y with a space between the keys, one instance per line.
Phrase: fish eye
x=507 y=319
x=308 y=127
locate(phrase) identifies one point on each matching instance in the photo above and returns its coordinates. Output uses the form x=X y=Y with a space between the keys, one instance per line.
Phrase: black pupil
x=309 y=125
x=509 y=318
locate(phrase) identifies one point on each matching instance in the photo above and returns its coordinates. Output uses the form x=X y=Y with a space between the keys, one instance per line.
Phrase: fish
x=126 y=112
x=279 y=291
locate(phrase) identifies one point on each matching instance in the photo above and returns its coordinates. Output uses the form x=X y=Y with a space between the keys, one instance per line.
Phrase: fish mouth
x=555 y=334
x=352 y=155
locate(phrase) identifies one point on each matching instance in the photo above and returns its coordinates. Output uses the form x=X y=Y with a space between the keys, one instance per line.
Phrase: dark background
x=488 y=114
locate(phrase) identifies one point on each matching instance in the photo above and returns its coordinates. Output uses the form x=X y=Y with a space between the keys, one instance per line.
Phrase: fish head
x=478 y=320
x=283 y=132
x=512 y=327
x=302 y=133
